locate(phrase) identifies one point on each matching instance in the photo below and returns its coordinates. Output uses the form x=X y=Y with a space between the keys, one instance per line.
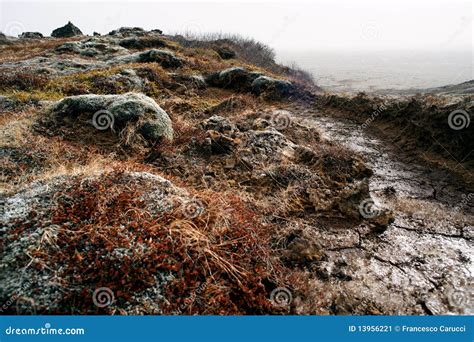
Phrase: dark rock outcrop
x=271 y=87
x=165 y=58
x=68 y=30
x=233 y=78
x=31 y=35
x=3 y=39
x=243 y=80
x=128 y=31
x=190 y=81
x=142 y=42
x=225 y=52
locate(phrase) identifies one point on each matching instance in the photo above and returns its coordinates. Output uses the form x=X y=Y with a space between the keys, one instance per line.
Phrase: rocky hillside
x=144 y=173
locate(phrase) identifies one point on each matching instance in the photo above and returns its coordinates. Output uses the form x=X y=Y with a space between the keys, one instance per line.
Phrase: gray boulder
x=271 y=87
x=128 y=31
x=191 y=81
x=219 y=124
x=165 y=58
x=6 y=103
x=53 y=65
x=93 y=47
x=240 y=79
x=115 y=112
x=31 y=35
x=233 y=78
x=142 y=42
x=127 y=79
x=68 y=30
x=3 y=39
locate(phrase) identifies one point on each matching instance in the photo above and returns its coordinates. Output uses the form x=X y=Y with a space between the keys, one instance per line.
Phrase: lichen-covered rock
x=193 y=81
x=27 y=227
x=31 y=35
x=233 y=78
x=116 y=111
x=6 y=103
x=165 y=58
x=240 y=79
x=219 y=124
x=100 y=48
x=142 y=42
x=128 y=31
x=271 y=86
x=54 y=65
x=126 y=79
x=66 y=31
x=225 y=52
x=3 y=39
x=269 y=142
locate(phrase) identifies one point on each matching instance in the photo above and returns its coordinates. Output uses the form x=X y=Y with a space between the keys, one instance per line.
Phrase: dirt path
x=423 y=262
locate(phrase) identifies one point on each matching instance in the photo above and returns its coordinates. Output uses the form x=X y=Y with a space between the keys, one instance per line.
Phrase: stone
x=128 y=31
x=31 y=35
x=236 y=78
x=142 y=42
x=3 y=39
x=165 y=58
x=6 y=103
x=271 y=86
x=116 y=111
x=219 y=143
x=225 y=52
x=68 y=30
x=219 y=124
x=192 y=81
x=94 y=47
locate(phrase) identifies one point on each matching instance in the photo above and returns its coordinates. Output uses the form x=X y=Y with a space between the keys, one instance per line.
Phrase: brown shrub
x=225 y=246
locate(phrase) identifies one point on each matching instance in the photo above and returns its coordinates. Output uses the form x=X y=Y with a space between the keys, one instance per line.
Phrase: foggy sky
x=310 y=25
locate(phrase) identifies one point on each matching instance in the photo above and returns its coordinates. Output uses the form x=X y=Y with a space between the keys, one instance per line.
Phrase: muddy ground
x=423 y=262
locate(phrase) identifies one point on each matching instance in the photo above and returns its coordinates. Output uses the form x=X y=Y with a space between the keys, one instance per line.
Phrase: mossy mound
x=115 y=112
